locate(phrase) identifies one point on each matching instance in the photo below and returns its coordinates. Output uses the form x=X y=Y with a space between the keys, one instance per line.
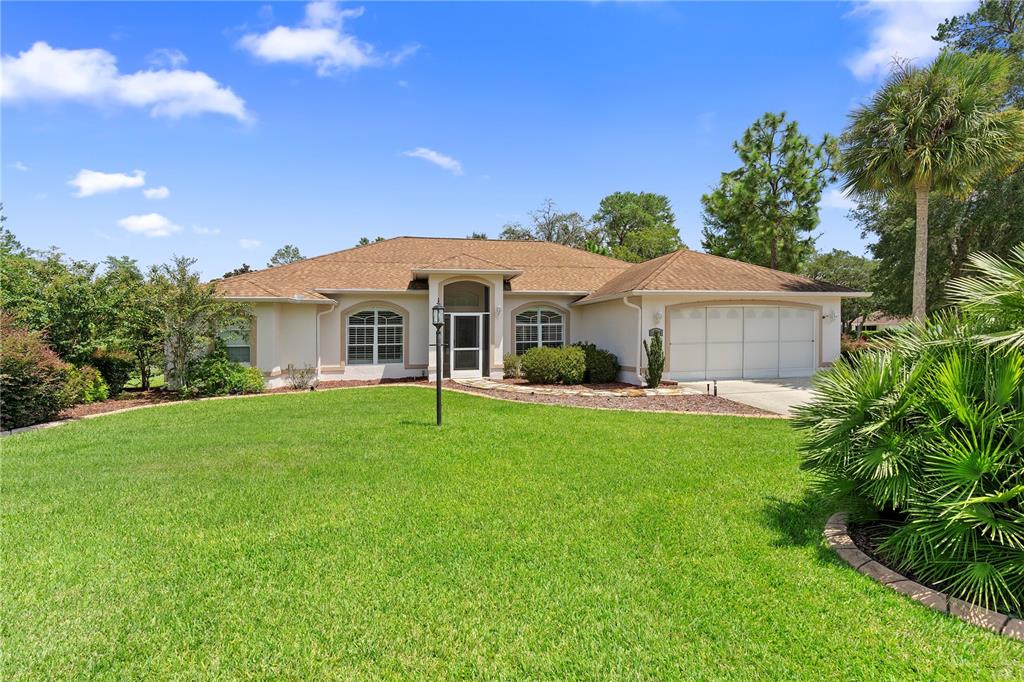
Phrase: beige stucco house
x=365 y=313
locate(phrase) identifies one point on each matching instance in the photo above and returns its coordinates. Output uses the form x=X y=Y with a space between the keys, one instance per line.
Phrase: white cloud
x=250 y=243
x=156 y=192
x=90 y=182
x=19 y=166
x=835 y=198
x=436 y=158
x=206 y=231
x=46 y=73
x=150 y=225
x=320 y=40
x=167 y=58
x=900 y=30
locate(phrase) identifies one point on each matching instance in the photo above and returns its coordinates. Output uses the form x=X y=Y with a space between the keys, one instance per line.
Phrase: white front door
x=733 y=342
x=465 y=353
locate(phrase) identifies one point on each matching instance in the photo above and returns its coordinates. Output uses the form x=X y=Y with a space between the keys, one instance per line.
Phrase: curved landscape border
x=838 y=538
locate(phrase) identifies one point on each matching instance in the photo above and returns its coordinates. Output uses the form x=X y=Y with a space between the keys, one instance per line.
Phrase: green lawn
x=341 y=534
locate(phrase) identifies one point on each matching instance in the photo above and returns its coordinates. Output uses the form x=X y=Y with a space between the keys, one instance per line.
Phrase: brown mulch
x=123 y=401
x=594 y=387
x=351 y=383
x=654 y=403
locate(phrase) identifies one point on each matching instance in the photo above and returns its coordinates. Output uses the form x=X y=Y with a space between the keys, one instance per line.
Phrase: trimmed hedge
x=602 y=365
x=31 y=378
x=565 y=365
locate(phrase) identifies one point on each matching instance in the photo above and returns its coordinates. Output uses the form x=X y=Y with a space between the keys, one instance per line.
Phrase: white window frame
x=538 y=326
x=238 y=337
x=377 y=328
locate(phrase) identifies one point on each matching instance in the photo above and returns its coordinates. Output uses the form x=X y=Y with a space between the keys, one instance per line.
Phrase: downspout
x=318 y=316
x=639 y=334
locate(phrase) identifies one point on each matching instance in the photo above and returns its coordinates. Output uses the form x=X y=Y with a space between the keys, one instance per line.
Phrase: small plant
x=216 y=374
x=655 y=353
x=565 y=365
x=84 y=384
x=513 y=366
x=116 y=367
x=852 y=346
x=602 y=365
x=31 y=378
x=300 y=379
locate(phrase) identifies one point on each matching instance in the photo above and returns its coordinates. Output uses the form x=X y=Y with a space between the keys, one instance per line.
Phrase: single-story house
x=365 y=313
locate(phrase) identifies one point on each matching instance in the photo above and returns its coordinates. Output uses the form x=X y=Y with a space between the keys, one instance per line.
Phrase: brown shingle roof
x=389 y=265
x=686 y=270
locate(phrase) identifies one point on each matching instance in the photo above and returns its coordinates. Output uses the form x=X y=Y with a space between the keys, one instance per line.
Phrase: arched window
x=539 y=327
x=374 y=337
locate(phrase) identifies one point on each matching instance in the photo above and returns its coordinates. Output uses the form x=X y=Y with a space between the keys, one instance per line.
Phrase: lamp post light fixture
x=437 y=313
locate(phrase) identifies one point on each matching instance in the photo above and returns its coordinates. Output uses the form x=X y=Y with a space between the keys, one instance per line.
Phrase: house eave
x=724 y=292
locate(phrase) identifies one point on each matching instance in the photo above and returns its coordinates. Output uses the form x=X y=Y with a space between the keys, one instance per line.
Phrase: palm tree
x=994 y=293
x=937 y=128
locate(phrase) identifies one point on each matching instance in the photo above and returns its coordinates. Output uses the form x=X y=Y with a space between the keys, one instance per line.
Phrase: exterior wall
x=829 y=330
x=496 y=307
x=334 y=336
x=514 y=303
x=612 y=325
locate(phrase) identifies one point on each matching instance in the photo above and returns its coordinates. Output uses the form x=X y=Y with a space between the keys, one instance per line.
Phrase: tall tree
x=995 y=26
x=844 y=268
x=477 y=235
x=135 y=319
x=363 y=241
x=551 y=225
x=939 y=128
x=286 y=254
x=636 y=226
x=191 y=317
x=765 y=211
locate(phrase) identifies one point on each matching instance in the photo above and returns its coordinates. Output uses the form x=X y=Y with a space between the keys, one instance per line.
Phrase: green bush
x=216 y=374
x=513 y=366
x=31 y=378
x=924 y=433
x=84 y=384
x=116 y=366
x=655 y=352
x=602 y=365
x=565 y=365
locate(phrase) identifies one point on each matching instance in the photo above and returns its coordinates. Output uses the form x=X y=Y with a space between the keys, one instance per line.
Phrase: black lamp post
x=438 y=319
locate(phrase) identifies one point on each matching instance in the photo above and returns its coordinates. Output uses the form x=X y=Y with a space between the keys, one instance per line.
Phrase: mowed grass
x=341 y=534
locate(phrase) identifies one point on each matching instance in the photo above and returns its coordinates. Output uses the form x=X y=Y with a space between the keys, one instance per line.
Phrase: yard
x=342 y=534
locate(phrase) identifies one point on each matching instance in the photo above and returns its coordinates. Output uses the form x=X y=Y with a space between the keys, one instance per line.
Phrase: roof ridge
x=669 y=257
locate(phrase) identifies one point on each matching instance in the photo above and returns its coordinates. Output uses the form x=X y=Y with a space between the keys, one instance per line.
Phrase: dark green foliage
x=240 y=270
x=551 y=225
x=566 y=365
x=655 y=353
x=288 y=253
x=995 y=26
x=116 y=367
x=84 y=384
x=924 y=431
x=765 y=211
x=602 y=367
x=31 y=378
x=215 y=374
x=513 y=365
x=636 y=226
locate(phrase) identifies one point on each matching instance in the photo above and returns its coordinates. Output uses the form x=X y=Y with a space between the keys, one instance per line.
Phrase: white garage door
x=732 y=342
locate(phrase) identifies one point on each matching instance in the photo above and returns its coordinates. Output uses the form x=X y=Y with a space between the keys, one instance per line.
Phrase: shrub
x=923 y=433
x=851 y=346
x=31 y=378
x=565 y=365
x=84 y=384
x=116 y=366
x=216 y=374
x=299 y=379
x=513 y=366
x=655 y=361
x=602 y=365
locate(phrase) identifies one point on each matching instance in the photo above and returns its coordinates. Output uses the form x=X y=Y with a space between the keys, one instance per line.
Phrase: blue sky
x=317 y=124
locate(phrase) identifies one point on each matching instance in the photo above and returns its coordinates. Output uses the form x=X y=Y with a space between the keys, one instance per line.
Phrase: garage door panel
x=687 y=325
x=686 y=343
x=688 y=359
x=725 y=360
x=796 y=324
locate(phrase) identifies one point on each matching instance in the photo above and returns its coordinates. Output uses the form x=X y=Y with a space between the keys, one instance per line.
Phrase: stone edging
x=631 y=392
x=842 y=544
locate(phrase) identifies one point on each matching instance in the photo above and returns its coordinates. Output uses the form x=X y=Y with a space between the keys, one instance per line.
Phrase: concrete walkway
x=775 y=395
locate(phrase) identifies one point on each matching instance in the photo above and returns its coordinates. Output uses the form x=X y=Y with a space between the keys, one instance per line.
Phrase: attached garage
x=741 y=341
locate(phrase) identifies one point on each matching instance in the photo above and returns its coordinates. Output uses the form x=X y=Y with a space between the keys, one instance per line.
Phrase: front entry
x=466 y=344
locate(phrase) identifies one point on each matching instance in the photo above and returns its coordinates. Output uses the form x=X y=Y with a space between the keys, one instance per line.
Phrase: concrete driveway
x=774 y=395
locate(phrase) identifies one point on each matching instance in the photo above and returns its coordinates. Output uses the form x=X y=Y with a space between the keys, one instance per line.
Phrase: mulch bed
x=349 y=384
x=653 y=403
x=123 y=401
